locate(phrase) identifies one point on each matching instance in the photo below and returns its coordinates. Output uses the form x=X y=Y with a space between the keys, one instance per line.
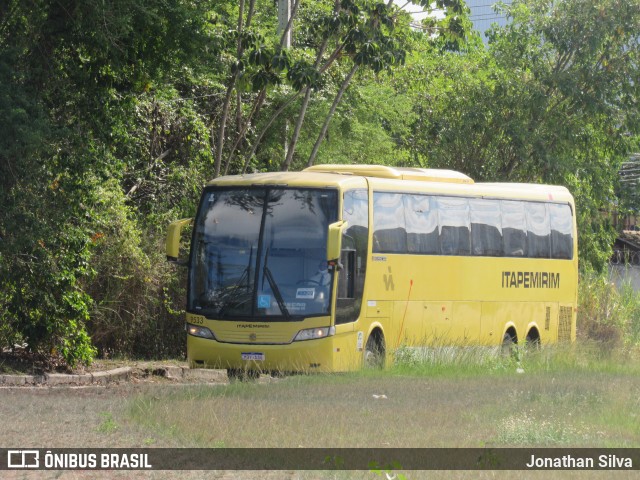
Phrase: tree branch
x=257 y=105
x=327 y=120
x=232 y=85
x=257 y=141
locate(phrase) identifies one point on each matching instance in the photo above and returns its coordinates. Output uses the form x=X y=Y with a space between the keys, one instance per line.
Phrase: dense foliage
x=115 y=113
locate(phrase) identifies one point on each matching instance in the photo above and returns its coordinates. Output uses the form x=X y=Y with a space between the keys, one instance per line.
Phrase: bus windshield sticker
x=264 y=301
x=296 y=306
x=306 y=293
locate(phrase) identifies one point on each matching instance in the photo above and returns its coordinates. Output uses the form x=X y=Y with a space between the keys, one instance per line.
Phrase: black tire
x=374 y=354
x=508 y=345
x=533 y=344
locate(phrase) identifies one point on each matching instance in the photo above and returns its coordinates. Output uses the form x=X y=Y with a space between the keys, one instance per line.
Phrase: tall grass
x=608 y=314
x=441 y=398
x=585 y=394
x=464 y=361
x=452 y=360
x=608 y=327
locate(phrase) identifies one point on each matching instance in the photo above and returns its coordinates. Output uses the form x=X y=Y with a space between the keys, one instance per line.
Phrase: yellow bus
x=337 y=266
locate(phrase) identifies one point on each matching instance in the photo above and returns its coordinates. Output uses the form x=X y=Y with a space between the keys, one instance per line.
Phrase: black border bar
x=375 y=459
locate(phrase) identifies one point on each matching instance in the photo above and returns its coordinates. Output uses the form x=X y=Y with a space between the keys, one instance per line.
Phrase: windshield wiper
x=232 y=295
x=275 y=289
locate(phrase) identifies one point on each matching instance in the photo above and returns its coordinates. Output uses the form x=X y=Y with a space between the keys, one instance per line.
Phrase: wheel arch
x=375 y=346
x=376 y=331
x=533 y=332
x=511 y=330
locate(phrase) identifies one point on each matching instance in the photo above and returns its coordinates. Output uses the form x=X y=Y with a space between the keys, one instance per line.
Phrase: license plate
x=253 y=356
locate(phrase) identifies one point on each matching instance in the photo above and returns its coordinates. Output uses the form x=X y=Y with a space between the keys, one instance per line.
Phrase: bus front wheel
x=374 y=352
x=241 y=375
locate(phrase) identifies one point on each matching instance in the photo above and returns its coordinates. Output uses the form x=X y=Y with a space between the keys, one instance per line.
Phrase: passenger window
x=421 y=218
x=486 y=227
x=538 y=230
x=389 y=235
x=561 y=231
x=455 y=238
x=514 y=229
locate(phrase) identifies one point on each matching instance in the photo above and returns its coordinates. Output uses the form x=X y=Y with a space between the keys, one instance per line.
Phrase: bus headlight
x=314 y=333
x=202 y=332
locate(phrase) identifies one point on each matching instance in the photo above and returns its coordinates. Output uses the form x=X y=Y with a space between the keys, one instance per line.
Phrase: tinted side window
x=514 y=229
x=427 y=224
x=455 y=238
x=561 y=231
x=355 y=238
x=486 y=227
x=538 y=230
x=389 y=235
x=421 y=217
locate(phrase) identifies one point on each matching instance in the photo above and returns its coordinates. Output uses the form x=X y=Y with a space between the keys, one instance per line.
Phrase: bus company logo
x=388 y=281
x=530 y=280
x=253 y=337
x=19 y=459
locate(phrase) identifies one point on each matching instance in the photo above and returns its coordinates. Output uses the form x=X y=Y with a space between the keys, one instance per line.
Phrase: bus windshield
x=259 y=253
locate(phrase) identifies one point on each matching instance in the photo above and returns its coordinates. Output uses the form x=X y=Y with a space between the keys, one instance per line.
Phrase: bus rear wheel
x=508 y=347
x=533 y=342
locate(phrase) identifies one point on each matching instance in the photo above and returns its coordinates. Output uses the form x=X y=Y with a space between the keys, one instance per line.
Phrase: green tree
x=71 y=74
x=334 y=41
x=553 y=100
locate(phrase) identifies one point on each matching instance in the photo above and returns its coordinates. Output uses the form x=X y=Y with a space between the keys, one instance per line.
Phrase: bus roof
x=293 y=179
x=418 y=180
x=395 y=173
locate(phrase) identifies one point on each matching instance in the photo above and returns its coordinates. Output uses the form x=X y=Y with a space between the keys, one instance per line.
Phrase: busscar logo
x=388 y=281
x=23 y=459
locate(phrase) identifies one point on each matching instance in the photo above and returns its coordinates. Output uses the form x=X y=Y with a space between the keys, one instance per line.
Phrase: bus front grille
x=258 y=338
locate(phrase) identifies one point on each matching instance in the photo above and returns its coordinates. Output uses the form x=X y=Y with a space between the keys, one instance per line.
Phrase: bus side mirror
x=334 y=242
x=174 y=234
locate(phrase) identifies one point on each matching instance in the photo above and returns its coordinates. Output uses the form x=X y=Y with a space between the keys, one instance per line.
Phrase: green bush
x=608 y=314
x=45 y=251
x=135 y=291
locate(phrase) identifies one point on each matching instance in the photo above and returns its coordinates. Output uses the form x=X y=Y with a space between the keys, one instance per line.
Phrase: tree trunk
x=243 y=129
x=332 y=110
x=232 y=84
x=296 y=130
x=305 y=103
x=257 y=141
